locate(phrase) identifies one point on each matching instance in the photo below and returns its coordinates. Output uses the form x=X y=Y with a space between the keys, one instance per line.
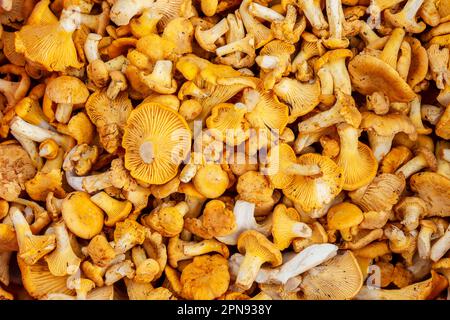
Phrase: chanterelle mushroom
x=156 y=140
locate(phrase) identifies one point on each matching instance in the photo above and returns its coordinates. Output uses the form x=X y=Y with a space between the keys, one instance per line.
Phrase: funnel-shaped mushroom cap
x=313 y=192
x=355 y=158
x=434 y=189
x=48 y=45
x=287 y=226
x=337 y=279
x=417 y=291
x=156 y=140
x=370 y=74
x=38 y=280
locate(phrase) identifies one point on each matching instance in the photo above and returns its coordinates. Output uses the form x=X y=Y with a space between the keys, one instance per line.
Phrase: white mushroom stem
x=268 y=62
x=335 y=19
x=380 y=145
x=245 y=45
x=188 y=172
x=441 y=246
x=308 y=258
x=116 y=64
x=248 y=271
x=38 y=134
x=313 y=12
x=424 y=242
x=210 y=36
x=322 y=120
x=91 y=47
x=89 y=184
x=31 y=148
x=341 y=77
x=265 y=13
x=70 y=20
x=326 y=82
x=63 y=112
x=416 y=116
x=412 y=166
x=245 y=220
x=123 y=10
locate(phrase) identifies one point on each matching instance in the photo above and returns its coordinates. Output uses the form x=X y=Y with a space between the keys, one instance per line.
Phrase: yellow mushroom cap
x=370 y=74
x=205 y=278
x=156 y=140
x=313 y=192
x=287 y=226
x=38 y=281
x=337 y=279
x=211 y=181
x=67 y=89
x=344 y=215
x=81 y=215
x=48 y=45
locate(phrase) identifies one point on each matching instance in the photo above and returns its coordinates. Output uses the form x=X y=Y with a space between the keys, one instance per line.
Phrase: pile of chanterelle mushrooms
x=225 y=149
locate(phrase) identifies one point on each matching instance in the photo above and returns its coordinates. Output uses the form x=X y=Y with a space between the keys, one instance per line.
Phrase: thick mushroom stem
x=193 y=249
x=424 y=242
x=248 y=271
x=341 y=77
x=441 y=246
x=123 y=10
x=31 y=148
x=207 y=38
x=265 y=13
x=367 y=34
x=91 y=183
x=392 y=47
x=160 y=80
x=375 y=8
x=234 y=50
x=63 y=112
x=91 y=47
x=313 y=12
x=380 y=145
x=322 y=120
x=326 y=84
x=35 y=133
x=406 y=18
x=416 y=117
x=336 y=21
x=396 y=236
x=411 y=217
x=414 y=165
